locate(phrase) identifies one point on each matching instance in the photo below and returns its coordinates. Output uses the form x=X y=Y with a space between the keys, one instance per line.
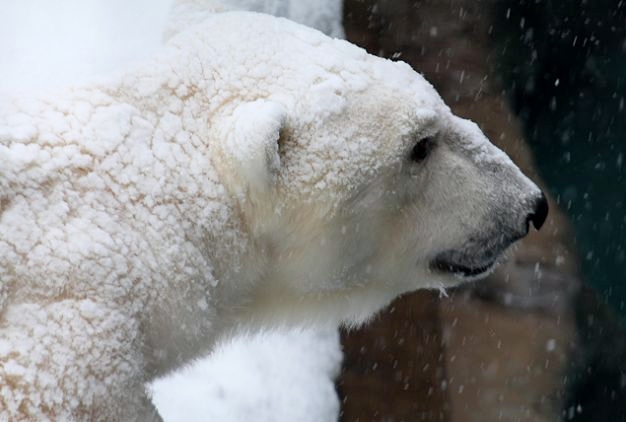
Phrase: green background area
x=563 y=64
x=564 y=67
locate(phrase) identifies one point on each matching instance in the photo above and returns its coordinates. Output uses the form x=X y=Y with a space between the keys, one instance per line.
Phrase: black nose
x=538 y=216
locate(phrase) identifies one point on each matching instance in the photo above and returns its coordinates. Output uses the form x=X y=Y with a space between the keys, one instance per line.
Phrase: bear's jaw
x=470 y=264
x=464 y=272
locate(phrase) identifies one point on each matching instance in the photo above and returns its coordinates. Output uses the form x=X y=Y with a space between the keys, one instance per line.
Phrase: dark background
x=563 y=64
x=559 y=67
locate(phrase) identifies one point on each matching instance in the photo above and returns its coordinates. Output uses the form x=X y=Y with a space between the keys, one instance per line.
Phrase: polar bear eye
x=421 y=149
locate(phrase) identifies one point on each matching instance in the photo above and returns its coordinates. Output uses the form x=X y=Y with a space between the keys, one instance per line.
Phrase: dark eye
x=421 y=149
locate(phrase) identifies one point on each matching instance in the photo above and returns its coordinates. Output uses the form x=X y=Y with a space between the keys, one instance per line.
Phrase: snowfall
x=274 y=376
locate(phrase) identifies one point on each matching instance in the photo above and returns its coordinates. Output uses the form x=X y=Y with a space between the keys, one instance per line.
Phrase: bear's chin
x=464 y=272
x=468 y=265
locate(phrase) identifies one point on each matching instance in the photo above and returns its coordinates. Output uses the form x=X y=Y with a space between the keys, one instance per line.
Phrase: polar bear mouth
x=476 y=259
x=462 y=270
x=467 y=265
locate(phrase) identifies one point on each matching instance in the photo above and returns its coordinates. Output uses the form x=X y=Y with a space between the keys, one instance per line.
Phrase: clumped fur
x=223 y=185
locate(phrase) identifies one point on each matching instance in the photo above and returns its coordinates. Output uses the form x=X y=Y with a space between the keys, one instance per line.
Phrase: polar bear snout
x=481 y=251
x=538 y=216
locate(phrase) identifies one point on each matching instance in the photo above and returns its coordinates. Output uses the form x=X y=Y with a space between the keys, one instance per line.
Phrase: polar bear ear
x=251 y=146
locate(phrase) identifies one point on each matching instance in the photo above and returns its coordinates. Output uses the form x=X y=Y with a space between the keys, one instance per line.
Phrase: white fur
x=255 y=172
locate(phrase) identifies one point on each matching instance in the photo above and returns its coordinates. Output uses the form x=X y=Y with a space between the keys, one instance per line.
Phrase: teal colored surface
x=564 y=66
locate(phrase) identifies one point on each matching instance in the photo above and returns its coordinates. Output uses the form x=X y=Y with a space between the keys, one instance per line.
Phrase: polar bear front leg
x=71 y=360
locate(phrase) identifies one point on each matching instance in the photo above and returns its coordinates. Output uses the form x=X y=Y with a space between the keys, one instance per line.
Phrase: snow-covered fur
x=255 y=172
x=280 y=376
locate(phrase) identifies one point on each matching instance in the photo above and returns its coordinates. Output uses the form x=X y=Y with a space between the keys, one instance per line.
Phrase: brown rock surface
x=497 y=350
x=394 y=369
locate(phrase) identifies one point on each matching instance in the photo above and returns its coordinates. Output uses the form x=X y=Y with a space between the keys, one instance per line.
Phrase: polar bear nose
x=538 y=216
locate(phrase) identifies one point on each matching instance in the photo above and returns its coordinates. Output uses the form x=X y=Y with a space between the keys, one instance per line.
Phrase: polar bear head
x=354 y=180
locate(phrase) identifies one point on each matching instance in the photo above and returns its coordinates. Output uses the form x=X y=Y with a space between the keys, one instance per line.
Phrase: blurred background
x=543 y=338
x=563 y=66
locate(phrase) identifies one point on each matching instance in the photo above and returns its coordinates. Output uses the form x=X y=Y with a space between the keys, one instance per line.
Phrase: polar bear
x=253 y=173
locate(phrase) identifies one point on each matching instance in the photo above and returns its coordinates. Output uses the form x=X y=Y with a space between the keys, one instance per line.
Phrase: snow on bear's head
x=353 y=178
x=358 y=180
